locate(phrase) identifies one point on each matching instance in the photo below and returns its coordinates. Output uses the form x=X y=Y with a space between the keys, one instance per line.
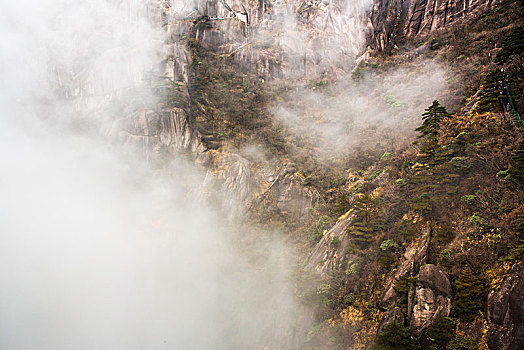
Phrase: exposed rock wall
x=391 y=19
x=432 y=297
x=506 y=312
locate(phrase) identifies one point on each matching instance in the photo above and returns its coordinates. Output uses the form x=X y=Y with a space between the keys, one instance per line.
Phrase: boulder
x=432 y=296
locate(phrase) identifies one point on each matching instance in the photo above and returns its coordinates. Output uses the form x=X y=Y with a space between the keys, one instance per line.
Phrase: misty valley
x=262 y=174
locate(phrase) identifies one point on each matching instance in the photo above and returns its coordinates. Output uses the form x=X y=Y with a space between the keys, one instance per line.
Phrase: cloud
x=98 y=250
x=379 y=111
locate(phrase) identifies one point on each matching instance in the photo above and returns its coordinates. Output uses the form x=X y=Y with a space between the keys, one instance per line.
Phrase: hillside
x=420 y=228
x=262 y=174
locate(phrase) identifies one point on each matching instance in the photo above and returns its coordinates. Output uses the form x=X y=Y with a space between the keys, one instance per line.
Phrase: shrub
x=374 y=175
x=460 y=163
x=469 y=296
x=461 y=342
x=388 y=244
x=395 y=337
x=402 y=287
x=440 y=332
x=400 y=182
x=468 y=199
x=308 y=180
x=335 y=243
x=319 y=227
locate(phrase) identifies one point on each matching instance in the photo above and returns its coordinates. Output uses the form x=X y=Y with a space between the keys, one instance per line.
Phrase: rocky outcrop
x=432 y=297
x=393 y=19
x=393 y=315
x=414 y=257
x=332 y=252
x=506 y=312
x=389 y=295
x=236 y=184
x=326 y=258
x=292 y=195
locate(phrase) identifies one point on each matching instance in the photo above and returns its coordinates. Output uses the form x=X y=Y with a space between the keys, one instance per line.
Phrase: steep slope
x=402 y=237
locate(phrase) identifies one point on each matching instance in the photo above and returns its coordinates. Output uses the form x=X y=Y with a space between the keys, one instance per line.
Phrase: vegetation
x=440 y=332
x=470 y=291
x=462 y=178
x=366 y=222
x=395 y=337
x=462 y=342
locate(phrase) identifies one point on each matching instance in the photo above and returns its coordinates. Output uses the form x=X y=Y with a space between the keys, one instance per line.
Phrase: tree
x=470 y=292
x=433 y=170
x=491 y=92
x=512 y=45
x=365 y=223
x=432 y=120
x=395 y=337
x=440 y=332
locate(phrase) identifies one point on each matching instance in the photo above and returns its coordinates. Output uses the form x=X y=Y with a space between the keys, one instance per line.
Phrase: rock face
x=414 y=257
x=432 y=296
x=236 y=184
x=391 y=19
x=292 y=196
x=325 y=258
x=393 y=315
x=506 y=312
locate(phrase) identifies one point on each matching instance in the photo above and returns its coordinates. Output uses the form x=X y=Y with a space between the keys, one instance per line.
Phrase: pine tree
x=470 y=293
x=440 y=332
x=395 y=337
x=365 y=223
x=512 y=45
x=432 y=120
x=492 y=88
x=431 y=175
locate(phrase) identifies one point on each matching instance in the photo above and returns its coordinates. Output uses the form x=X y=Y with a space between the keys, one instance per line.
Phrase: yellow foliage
x=298 y=174
x=351 y=315
x=345 y=216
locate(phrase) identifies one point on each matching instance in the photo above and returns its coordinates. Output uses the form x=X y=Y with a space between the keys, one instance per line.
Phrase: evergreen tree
x=395 y=337
x=342 y=204
x=470 y=293
x=429 y=178
x=492 y=88
x=512 y=45
x=365 y=223
x=440 y=332
x=432 y=120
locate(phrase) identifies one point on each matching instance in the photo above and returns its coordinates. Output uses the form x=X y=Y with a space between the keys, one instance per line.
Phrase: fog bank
x=97 y=250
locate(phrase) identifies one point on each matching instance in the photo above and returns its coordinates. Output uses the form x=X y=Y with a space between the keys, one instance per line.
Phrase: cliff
x=392 y=238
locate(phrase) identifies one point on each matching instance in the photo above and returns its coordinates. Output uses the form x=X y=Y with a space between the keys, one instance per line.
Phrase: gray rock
x=324 y=259
x=389 y=296
x=432 y=297
x=414 y=257
x=506 y=312
x=422 y=248
x=393 y=315
x=391 y=19
x=236 y=184
x=292 y=197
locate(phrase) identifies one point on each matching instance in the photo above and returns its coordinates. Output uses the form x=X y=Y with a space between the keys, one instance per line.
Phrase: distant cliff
x=391 y=19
